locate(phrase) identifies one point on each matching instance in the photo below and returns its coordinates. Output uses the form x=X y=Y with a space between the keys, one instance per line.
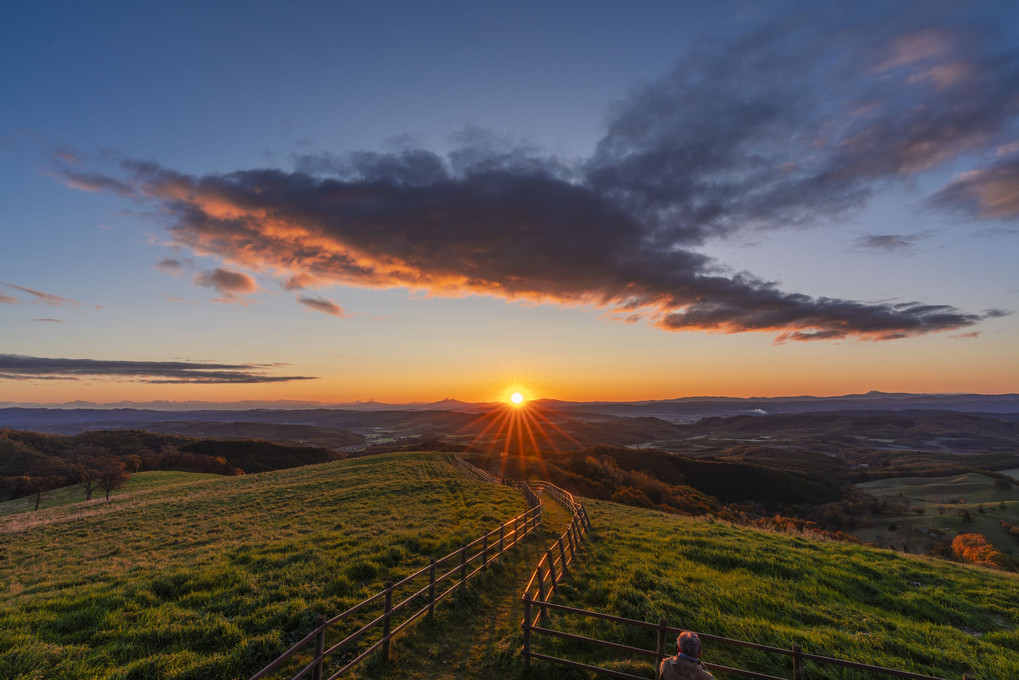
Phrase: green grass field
x=836 y=599
x=216 y=578
x=942 y=517
x=141 y=481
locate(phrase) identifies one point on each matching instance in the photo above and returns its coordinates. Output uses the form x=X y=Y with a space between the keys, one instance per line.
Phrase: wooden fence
x=419 y=593
x=554 y=565
x=666 y=633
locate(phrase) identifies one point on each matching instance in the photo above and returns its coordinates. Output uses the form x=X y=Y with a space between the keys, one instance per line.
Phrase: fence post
x=551 y=570
x=541 y=594
x=562 y=554
x=320 y=645
x=386 y=623
x=797 y=663
x=527 y=633
x=484 y=553
x=431 y=588
x=569 y=535
x=502 y=528
x=660 y=648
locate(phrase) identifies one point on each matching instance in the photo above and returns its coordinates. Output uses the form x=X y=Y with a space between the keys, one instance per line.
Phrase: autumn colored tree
x=975 y=549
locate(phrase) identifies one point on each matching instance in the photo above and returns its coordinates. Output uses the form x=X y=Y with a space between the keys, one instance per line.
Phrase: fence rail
x=663 y=632
x=418 y=589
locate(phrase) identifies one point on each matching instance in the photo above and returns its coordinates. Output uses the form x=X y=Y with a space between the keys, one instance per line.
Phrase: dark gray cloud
x=321 y=304
x=792 y=125
x=889 y=243
x=19 y=367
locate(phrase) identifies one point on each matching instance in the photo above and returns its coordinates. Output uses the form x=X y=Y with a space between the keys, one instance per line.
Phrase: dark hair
x=689 y=643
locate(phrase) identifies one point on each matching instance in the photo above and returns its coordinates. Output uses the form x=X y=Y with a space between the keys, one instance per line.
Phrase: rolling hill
x=213 y=578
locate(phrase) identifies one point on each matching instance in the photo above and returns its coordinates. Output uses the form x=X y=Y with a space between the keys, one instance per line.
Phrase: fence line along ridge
x=468 y=561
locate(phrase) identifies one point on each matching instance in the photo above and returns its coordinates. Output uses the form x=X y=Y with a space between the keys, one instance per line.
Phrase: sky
x=402 y=201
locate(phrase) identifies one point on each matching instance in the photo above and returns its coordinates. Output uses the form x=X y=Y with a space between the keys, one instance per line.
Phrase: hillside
x=213 y=578
x=834 y=599
x=25 y=453
x=934 y=431
x=143 y=481
x=277 y=433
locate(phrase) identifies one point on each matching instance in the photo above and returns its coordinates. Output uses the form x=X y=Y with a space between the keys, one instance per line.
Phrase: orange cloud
x=516 y=234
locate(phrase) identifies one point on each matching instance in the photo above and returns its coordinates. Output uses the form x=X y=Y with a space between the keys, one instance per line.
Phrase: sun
x=517 y=399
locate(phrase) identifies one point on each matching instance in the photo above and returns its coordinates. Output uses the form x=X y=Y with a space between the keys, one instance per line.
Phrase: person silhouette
x=686 y=665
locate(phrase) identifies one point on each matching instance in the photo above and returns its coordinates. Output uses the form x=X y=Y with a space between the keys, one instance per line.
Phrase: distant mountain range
x=682 y=409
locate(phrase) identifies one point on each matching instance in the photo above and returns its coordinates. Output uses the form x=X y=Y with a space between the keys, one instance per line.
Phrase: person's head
x=689 y=644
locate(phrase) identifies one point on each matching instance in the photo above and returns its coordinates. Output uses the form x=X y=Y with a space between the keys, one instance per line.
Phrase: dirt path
x=476 y=634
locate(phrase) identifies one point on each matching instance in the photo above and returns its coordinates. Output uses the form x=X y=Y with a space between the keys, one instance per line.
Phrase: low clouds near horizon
x=791 y=125
x=19 y=367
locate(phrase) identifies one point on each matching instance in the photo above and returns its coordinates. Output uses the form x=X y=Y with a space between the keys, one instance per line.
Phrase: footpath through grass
x=216 y=578
x=479 y=635
x=834 y=599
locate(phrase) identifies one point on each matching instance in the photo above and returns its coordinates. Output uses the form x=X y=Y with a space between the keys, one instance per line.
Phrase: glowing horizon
x=555 y=213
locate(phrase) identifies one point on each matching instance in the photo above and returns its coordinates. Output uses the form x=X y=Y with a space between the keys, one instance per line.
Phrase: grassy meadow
x=140 y=481
x=942 y=501
x=836 y=599
x=190 y=578
x=214 y=578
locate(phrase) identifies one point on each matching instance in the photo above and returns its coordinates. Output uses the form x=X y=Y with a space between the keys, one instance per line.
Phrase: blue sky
x=779 y=192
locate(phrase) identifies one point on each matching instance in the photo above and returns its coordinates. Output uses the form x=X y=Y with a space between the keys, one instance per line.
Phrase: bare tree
x=45 y=475
x=83 y=466
x=112 y=476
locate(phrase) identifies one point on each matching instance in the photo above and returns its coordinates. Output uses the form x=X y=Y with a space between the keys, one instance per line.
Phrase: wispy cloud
x=7 y=299
x=174 y=298
x=229 y=284
x=19 y=367
x=888 y=243
x=989 y=193
x=46 y=298
x=173 y=266
x=48 y=320
x=790 y=125
x=321 y=304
